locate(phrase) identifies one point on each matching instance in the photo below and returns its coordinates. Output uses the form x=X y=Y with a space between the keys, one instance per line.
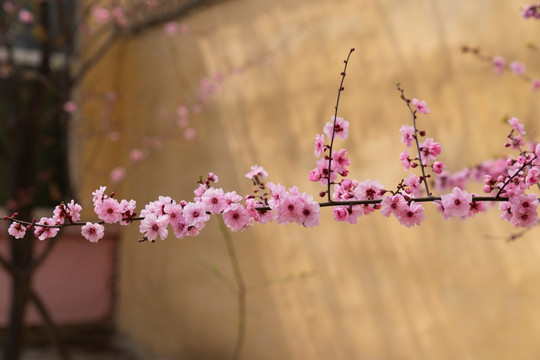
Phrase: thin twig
x=340 y=90
x=416 y=133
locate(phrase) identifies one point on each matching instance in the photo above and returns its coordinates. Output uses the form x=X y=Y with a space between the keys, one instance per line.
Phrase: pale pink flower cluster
x=429 y=149
x=111 y=210
x=188 y=218
x=483 y=172
x=521 y=210
x=351 y=190
x=257 y=171
x=337 y=128
x=292 y=206
x=516 y=67
x=70 y=212
x=408 y=213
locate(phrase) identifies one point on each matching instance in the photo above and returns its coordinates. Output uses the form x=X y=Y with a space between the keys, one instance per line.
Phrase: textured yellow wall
x=377 y=290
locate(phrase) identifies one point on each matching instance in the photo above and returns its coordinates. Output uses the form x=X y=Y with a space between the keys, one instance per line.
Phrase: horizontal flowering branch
x=506 y=181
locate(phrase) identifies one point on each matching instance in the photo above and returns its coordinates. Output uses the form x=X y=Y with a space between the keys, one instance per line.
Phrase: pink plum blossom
x=535 y=84
x=340 y=128
x=514 y=122
x=369 y=190
x=153 y=226
x=421 y=106
x=195 y=214
x=395 y=205
x=348 y=214
x=310 y=212
x=340 y=161
x=117 y=174
x=498 y=64
x=17 y=230
x=42 y=232
x=136 y=155
x=171 y=28
x=257 y=170
x=517 y=67
x=70 y=106
x=109 y=211
x=93 y=232
x=457 y=203
x=532 y=176
x=214 y=200
x=319 y=145
x=405 y=160
x=237 y=218
x=26 y=17
x=407 y=134
x=414 y=187
x=438 y=167
x=429 y=150
x=413 y=215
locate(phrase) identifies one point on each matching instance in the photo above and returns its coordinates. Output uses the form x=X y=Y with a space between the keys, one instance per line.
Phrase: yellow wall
x=445 y=290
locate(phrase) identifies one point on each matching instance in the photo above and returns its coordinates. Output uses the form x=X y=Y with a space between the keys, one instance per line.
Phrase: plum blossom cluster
x=531 y=11
x=188 y=218
x=24 y=15
x=48 y=226
x=506 y=180
x=500 y=65
x=509 y=178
